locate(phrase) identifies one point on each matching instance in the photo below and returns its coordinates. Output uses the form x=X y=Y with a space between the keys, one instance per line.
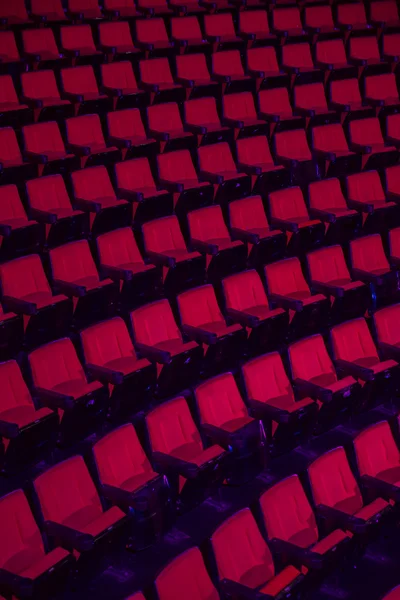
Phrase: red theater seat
x=8 y=49
x=152 y=36
x=352 y=17
x=186 y=33
x=286 y=22
x=345 y=96
x=253 y=25
x=165 y=125
x=126 y=132
x=119 y=82
x=298 y=62
x=13 y=168
x=12 y=112
x=201 y=117
x=220 y=31
x=364 y=51
x=330 y=56
x=80 y=87
x=72 y=509
x=384 y=14
x=292 y=151
x=84 y=9
x=381 y=90
x=20 y=235
x=337 y=495
x=245 y=563
x=239 y=111
x=319 y=20
x=227 y=69
x=156 y=78
x=77 y=43
x=40 y=48
x=115 y=38
x=387 y=331
x=254 y=158
x=151 y=8
x=40 y=92
x=365 y=136
x=123 y=9
x=274 y=106
x=329 y=142
x=365 y=193
x=14 y=13
x=262 y=63
x=193 y=74
x=44 y=146
x=310 y=101
x=391 y=47
x=48 y=11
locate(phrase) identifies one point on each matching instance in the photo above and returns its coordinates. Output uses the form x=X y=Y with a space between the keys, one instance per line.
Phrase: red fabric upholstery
x=387 y=325
x=239 y=106
x=10 y=154
x=220 y=25
x=198 y=307
x=118 y=248
x=254 y=22
x=275 y=102
x=44 y=138
x=391 y=44
x=262 y=59
x=366 y=132
x=178 y=167
x=394 y=242
x=8 y=95
x=382 y=87
x=367 y=254
x=287 y=19
x=331 y=52
x=50 y=195
x=286 y=278
x=81 y=80
x=227 y=63
x=297 y=55
x=245 y=292
x=156 y=71
x=208 y=225
x=116 y=35
x=94 y=184
x=318 y=17
x=74 y=263
x=15 y=13
x=377 y=453
x=346 y=92
x=165 y=237
x=40 y=42
x=86 y=131
x=364 y=48
x=152 y=31
x=12 y=212
x=202 y=112
x=193 y=67
x=394 y=594
x=352 y=341
x=327 y=195
x=119 y=76
x=249 y=214
x=8 y=47
x=330 y=138
x=328 y=265
x=352 y=14
x=166 y=118
x=127 y=125
x=42 y=85
x=310 y=361
x=51 y=10
x=366 y=188
x=186 y=29
x=384 y=12
x=288 y=205
x=255 y=151
x=80 y=38
x=293 y=144
x=89 y=8
x=217 y=158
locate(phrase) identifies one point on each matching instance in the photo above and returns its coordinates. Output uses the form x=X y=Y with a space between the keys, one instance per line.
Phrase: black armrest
x=39 y=159
x=149 y=87
x=189 y=83
x=354 y=370
x=221 y=78
x=105 y=375
x=8 y=430
x=154 y=354
x=21 y=587
x=54 y=400
x=217 y=435
x=5 y=230
x=360 y=148
x=31 y=102
x=87 y=205
x=165 y=463
x=77 y=149
x=363 y=206
x=249 y=169
x=19 y=306
x=68 y=95
x=323 y=215
x=303 y=112
x=306 y=557
x=244 y=319
x=338 y=105
x=69 y=289
x=131 y=195
x=244 y=236
x=161 y=136
x=257 y=74
x=393 y=197
x=313 y=390
x=232 y=589
x=265 y=410
x=285 y=225
x=374 y=102
x=389 y=352
x=324 y=154
x=115 y=273
x=383 y=488
x=70 y=537
x=287 y=303
x=161 y=259
x=233 y=123
x=114 y=494
x=199 y=335
x=196 y=129
x=119 y=142
x=327 y=289
x=367 y=277
x=341 y=519
x=172 y=186
x=109 y=91
x=203 y=247
x=42 y=216
x=211 y=177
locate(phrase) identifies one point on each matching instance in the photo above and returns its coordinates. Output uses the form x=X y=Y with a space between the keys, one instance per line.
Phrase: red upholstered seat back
x=219 y=400
x=43 y=138
x=376 y=450
x=248 y=213
x=199 y=306
x=163 y=234
x=352 y=341
x=328 y=264
x=387 y=324
x=23 y=276
x=154 y=323
x=55 y=363
x=286 y=278
x=10 y=204
x=118 y=75
x=239 y=106
x=326 y=194
x=219 y=25
x=125 y=124
x=72 y=262
x=176 y=166
x=48 y=192
x=244 y=290
x=107 y=341
x=367 y=254
x=265 y=378
x=262 y=59
x=309 y=358
x=216 y=158
x=134 y=174
x=14 y=389
x=92 y=183
x=118 y=247
x=207 y=224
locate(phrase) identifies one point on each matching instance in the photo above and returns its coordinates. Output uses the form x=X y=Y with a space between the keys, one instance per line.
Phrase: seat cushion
x=127 y=364
x=45 y=563
x=134 y=483
x=24 y=415
x=175 y=347
x=77 y=388
x=236 y=424
x=330 y=541
x=372 y=509
x=283 y=579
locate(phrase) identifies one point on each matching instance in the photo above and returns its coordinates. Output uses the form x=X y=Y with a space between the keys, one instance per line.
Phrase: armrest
x=21 y=587
x=242 y=318
x=393 y=197
x=233 y=123
x=35 y=158
x=149 y=87
x=360 y=148
x=342 y=519
x=354 y=370
x=131 y=195
x=54 y=400
x=313 y=390
x=197 y=129
x=87 y=205
x=327 y=289
x=389 y=351
x=172 y=186
x=367 y=277
x=42 y=216
x=232 y=589
x=303 y=112
x=244 y=236
x=115 y=273
x=323 y=154
x=374 y=102
x=119 y=142
x=323 y=215
x=287 y=303
x=68 y=95
x=154 y=354
x=70 y=537
x=19 y=306
x=265 y=410
x=290 y=163
x=204 y=247
x=189 y=83
x=285 y=225
x=249 y=169
x=31 y=102
x=114 y=494
x=70 y=289
x=306 y=557
x=363 y=206
x=392 y=141
x=217 y=435
x=161 y=136
x=211 y=177
x=5 y=230
x=161 y=259
x=8 y=430
x=165 y=463
x=221 y=78
x=104 y=375
x=199 y=335
x=257 y=74
x=337 y=105
x=78 y=150
x=383 y=488
x=109 y=91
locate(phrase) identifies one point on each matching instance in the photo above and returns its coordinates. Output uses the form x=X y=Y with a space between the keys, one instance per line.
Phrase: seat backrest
x=18 y=527
x=134 y=174
x=318 y=16
x=72 y=262
x=201 y=111
x=381 y=86
x=36 y=41
x=293 y=144
x=8 y=95
x=23 y=276
x=170 y=426
x=376 y=450
x=275 y=102
x=387 y=325
x=76 y=37
x=118 y=248
x=253 y=21
x=9 y=149
x=364 y=48
x=66 y=490
x=297 y=55
x=119 y=456
x=265 y=378
x=287 y=513
x=154 y=323
x=151 y=30
x=118 y=75
x=155 y=70
x=176 y=166
x=367 y=253
x=186 y=577
x=193 y=67
x=366 y=131
x=286 y=278
x=331 y=52
x=248 y=214
x=333 y=483
x=285 y=19
x=79 y=80
x=394 y=242
x=346 y=91
x=55 y=363
x=219 y=400
x=43 y=138
x=351 y=14
x=262 y=59
x=115 y=34
x=48 y=192
x=164 y=117
x=309 y=358
x=40 y=84
x=199 y=306
x=393 y=179
x=353 y=341
x=8 y=46
x=107 y=341
x=207 y=224
x=216 y=158
x=15 y=392
x=227 y=63
x=92 y=183
x=11 y=206
x=328 y=264
x=329 y=138
x=288 y=204
x=241 y=552
x=163 y=234
x=85 y=131
x=384 y=11
x=126 y=123
x=239 y=106
x=311 y=95
x=219 y=25
x=391 y=44
x=254 y=150
x=10 y=10
x=187 y=28
x=244 y=290
x=393 y=126
x=47 y=8
x=326 y=194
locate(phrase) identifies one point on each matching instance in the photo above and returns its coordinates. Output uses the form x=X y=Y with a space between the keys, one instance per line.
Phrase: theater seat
x=246 y=303
x=11 y=334
x=364 y=52
x=119 y=82
x=310 y=101
x=228 y=70
x=275 y=107
x=337 y=495
x=209 y=235
x=111 y=359
x=330 y=56
x=201 y=118
x=239 y=112
x=394 y=247
x=152 y=36
x=298 y=62
x=157 y=338
x=253 y=26
x=13 y=112
x=387 y=331
x=384 y=15
x=286 y=22
x=40 y=92
x=193 y=74
x=165 y=247
x=178 y=451
x=126 y=132
x=186 y=576
x=365 y=136
x=49 y=204
x=165 y=125
x=75 y=274
x=122 y=9
x=60 y=383
x=381 y=91
x=378 y=460
x=71 y=507
x=220 y=31
x=20 y=235
x=394 y=594
x=9 y=54
x=94 y=193
x=156 y=78
x=345 y=96
x=25 y=565
x=288 y=289
x=121 y=261
x=288 y=212
x=294 y=531
x=318 y=20
x=26 y=291
x=13 y=168
x=292 y=151
x=217 y=166
x=29 y=433
x=314 y=376
x=330 y=276
x=44 y=11
x=365 y=193
x=85 y=139
x=391 y=47
x=352 y=17
x=329 y=142
x=245 y=563
x=40 y=48
x=14 y=14
x=89 y=10
x=249 y=224
x=116 y=40
x=44 y=146
x=77 y=43
x=79 y=86
x=262 y=64
x=254 y=158
x=151 y=8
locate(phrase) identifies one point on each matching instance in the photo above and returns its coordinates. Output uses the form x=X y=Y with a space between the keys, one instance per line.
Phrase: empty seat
x=394 y=246
x=329 y=142
x=24 y=561
x=254 y=158
x=292 y=150
x=330 y=276
x=13 y=169
x=220 y=31
x=274 y=107
x=186 y=576
x=26 y=291
x=335 y=487
x=365 y=136
x=84 y=9
x=40 y=92
x=126 y=132
x=20 y=235
x=48 y=11
x=393 y=130
x=94 y=193
x=165 y=125
x=116 y=39
x=154 y=7
x=152 y=36
x=387 y=331
x=384 y=14
x=12 y=111
x=227 y=68
x=86 y=140
x=364 y=51
x=381 y=90
x=297 y=60
x=243 y=558
x=80 y=87
x=288 y=289
x=77 y=42
x=330 y=55
x=193 y=74
x=177 y=449
x=71 y=506
x=201 y=117
x=165 y=246
x=8 y=50
x=14 y=14
x=49 y=203
x=393 y=183
x=286 y=22
x=156 y=78
x=319 y=20
x=239 y=112
x=218 y=167
x=263 y=64
x=352 y=17
x=310 y=101
x=124 y=9
x=391 y=47
x=253 y=25
x=40 y=46
x=44 y=146
x=29 y=432
x=365 y=193
x=111 y=359
x=158 y=338
x=75 y=275
x=345 y=96
x=119 y=82
x=247 y=304
x=186 y=33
